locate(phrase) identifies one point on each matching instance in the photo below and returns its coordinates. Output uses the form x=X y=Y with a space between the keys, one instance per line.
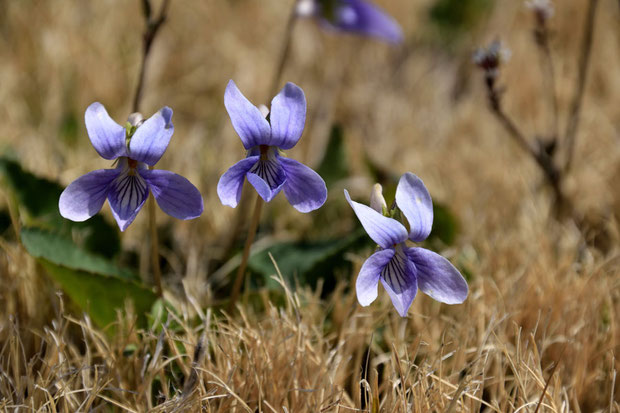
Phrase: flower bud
x=264 y=110
x=135 y=119
x=377 y=202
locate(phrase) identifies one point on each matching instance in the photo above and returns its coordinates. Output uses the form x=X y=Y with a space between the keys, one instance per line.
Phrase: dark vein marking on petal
x=395 y=273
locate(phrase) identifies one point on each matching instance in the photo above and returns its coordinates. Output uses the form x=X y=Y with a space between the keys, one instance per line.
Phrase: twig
x=246 y=251
x=575 y=108
x=539 y=154
x=154 y=246
x=284 y=51
x=152 y=27
x=541 y=35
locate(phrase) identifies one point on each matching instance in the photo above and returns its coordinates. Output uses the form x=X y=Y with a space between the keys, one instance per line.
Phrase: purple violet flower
x=263 y=138
x=127 y=186
x=401 y=269
x=356 y=16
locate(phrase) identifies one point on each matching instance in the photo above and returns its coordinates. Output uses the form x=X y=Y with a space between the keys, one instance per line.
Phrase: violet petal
x=415 y=202
x=85 y=196
x=231 y=183
x=305 y=190
x=175 y=195
x=385 y=231
x=288 y=116
x=247 y=120
x=127 y=194
x=363 y=17
x=150 y=140
x=368 y=278
x=399 y=279
x=107 y=136
x=437 y=277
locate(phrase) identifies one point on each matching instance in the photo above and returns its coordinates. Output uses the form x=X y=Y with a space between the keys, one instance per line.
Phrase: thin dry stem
x=548 y=70
x=563 y=206
x=572 y=125
x=258 y=206
x=152 y=28
x=284 y=51
x=154 y=246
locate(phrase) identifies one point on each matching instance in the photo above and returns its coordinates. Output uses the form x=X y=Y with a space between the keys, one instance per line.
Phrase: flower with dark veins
x=354 y=16
x=402 y=269
x=264 y=137
x=133 y=148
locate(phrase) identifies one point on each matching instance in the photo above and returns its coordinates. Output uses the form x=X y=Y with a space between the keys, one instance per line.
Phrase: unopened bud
x=135 y=119
x=377 y=201
x=264 y=110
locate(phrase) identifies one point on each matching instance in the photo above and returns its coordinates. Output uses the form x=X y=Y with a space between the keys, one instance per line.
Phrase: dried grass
x=540 y=325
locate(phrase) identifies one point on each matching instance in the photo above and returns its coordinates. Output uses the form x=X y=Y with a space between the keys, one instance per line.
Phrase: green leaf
x=99 y=295
x=95 y=284
x=306 y=262
x=455 y=17
x=59 y=250
x=158 y=317
x=37 y=195
x=334 y=166
x=69 y=128
x=445 y=224
x=38 y=198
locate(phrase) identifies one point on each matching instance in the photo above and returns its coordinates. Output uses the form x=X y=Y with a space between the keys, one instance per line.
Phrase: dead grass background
x=539 y=298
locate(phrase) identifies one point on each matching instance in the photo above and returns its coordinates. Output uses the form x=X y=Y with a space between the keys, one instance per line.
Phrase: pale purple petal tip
x=399 y=279
x=231 y=183
x=437 y=277
x=107 y=136
x=413 y=199
x=85 y=196
x=363 y=17
x=385 y=231
x=127 y=193
x=247 y=120
x=175 y=195
x=368 y=278
x=288 y=116
x=305 y=190
x=150 y=140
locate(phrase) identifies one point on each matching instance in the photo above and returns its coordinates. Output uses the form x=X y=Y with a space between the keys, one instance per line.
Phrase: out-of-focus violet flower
x=355 y=16
x=264 y=136
x=126 y=187
x=402 y=269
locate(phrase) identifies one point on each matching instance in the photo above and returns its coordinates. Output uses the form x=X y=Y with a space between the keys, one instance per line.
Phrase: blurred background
x=375 y=111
